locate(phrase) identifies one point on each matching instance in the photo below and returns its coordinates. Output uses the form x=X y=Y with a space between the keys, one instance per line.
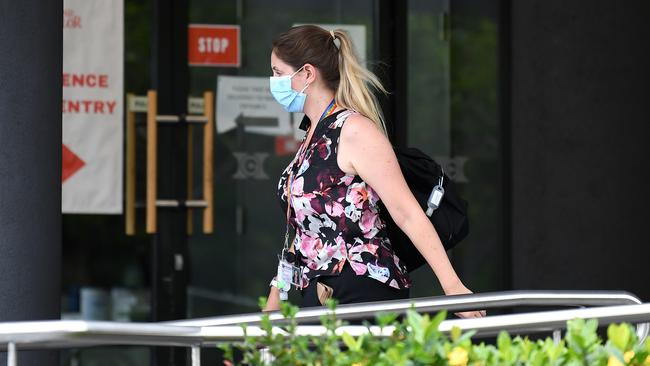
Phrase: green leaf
x=385 y=319
x=503 y=341
x=261 y=302
x=350 y=342
x=265 y=324
x=466 y=338
x=331 y=303
x=455 y=333
x=414 y=320
x=439 y=318
x=288 y=310
x=619 y=335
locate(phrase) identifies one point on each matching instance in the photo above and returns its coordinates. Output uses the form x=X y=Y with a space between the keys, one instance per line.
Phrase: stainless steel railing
x=194 y=334
x=524 y=323
x=457 y=303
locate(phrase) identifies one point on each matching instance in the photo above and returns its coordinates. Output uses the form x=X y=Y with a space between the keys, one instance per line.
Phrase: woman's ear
x=310 y=72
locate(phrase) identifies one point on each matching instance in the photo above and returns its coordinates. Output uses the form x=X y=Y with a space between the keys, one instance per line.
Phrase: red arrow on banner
x=71 y=163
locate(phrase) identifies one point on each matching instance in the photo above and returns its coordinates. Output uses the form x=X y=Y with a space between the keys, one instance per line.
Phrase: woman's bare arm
x=365 y=151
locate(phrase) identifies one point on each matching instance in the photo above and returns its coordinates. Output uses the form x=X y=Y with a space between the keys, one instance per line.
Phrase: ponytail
x=354 y=91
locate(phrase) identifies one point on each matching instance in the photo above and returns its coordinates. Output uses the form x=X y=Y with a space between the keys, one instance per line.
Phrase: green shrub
x=417 y=341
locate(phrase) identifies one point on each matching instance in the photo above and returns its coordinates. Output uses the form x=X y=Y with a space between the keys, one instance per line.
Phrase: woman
x=344 y=167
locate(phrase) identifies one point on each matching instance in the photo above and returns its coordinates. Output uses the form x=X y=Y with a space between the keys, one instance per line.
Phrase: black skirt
x=350 y=288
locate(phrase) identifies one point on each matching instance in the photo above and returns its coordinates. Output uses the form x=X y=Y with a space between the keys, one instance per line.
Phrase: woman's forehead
x=277 y=63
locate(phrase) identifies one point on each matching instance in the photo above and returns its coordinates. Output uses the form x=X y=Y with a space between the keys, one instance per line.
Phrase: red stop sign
x=214 y=45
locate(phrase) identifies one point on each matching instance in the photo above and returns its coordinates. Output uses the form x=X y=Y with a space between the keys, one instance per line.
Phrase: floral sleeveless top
x=336 y=215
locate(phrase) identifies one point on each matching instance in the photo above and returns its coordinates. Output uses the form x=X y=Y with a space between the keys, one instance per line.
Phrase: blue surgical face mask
x=282 y=91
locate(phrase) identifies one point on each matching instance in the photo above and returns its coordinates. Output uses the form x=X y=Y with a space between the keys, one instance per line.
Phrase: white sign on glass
x=247 y=102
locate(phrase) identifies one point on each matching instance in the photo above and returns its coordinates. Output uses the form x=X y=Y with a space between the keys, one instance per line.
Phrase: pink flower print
x=338 y=122
x=368 y=224
x=357 y=194
x=352 y=212
x=370 y=248
x=341 y=118
x=339 y=241
x=297 y=186
x=324 y=148
x=396 y=260
x=325 y=181
x=334 y=208
x=317 y=207
x=358 y=247
x=331 y=251
x=301 y=207
x=309 y=247
x=372 y=195
x=347 y=179
x=338 y=267
x=305 y=165
x=359 y=268
x=317 y=223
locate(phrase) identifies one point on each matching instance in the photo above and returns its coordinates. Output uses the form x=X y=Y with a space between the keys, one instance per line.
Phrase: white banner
x=93 y=57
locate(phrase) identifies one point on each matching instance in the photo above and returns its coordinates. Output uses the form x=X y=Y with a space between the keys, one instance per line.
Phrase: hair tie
x=337 y=42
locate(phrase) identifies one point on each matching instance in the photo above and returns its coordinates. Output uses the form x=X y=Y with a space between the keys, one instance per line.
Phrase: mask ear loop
x=297 y=71
x=306 y=86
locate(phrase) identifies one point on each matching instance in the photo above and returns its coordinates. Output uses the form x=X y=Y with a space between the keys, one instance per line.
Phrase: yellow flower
x=613 y=361
x=647 y=361
x=457 y=357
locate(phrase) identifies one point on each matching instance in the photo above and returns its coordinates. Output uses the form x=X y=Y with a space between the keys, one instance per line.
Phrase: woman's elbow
x=402 y=217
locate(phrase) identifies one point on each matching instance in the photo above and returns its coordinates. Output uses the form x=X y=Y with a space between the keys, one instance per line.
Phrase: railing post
x=196 y=355
x=11 y=354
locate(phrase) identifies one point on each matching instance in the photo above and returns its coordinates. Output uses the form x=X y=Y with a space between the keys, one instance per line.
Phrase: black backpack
x=450 y=219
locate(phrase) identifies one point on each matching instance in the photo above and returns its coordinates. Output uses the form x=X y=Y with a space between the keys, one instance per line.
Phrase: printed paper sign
x=247 y=102
x=213 y=45
x=93 y=43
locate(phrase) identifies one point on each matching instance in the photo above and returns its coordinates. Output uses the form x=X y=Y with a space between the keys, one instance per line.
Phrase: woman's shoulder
x=357 y=126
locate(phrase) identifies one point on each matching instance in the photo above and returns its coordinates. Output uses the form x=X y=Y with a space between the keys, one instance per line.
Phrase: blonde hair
x=332 y=52
x=355 y=83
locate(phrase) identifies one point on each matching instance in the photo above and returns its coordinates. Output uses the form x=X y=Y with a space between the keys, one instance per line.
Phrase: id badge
x=288 y=275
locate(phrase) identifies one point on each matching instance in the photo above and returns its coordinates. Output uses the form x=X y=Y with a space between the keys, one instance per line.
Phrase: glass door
x=232 y=267
x=453 y=117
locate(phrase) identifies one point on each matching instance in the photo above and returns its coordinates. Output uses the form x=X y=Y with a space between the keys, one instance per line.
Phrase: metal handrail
x=77 y=333
x=525 y=323
x=73 y=334
x=454 y=303
x=62 y=333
